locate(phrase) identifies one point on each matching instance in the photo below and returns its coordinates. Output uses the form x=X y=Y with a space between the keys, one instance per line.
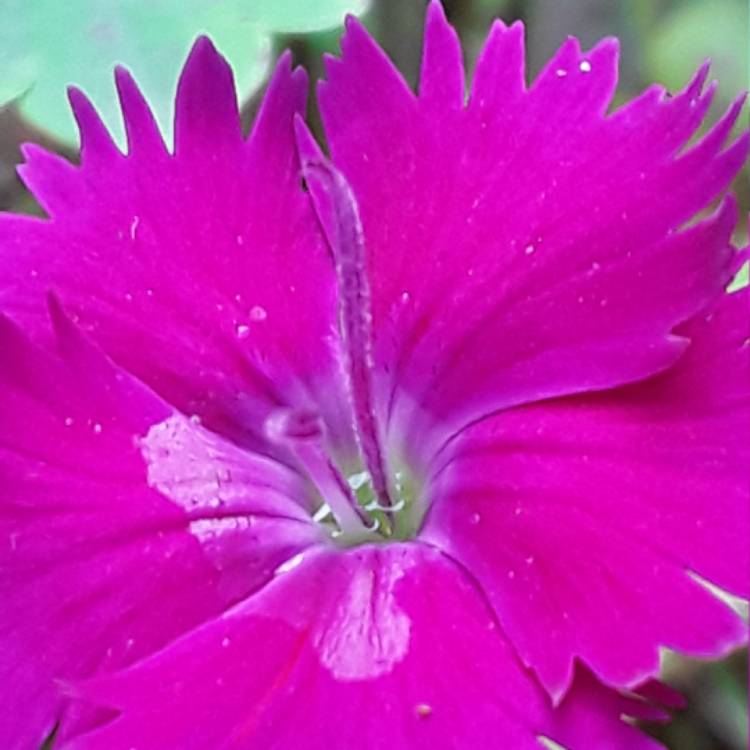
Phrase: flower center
x=348 y=506
x=374 y=503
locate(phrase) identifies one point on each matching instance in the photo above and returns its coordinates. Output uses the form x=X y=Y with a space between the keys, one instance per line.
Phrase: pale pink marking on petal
x=368 y=633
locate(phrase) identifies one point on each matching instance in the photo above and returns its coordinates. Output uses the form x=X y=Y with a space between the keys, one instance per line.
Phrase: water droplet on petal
x=68 y=421
x=225 y=642
x=242 y=331
x=258 y=313
x=475 y=518
x=585 y=66
x=423 y=710
x=529 y=249
x=97 y=428
x=560 y=73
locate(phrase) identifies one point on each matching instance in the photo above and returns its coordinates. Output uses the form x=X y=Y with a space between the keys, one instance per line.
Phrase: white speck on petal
x=560 y=73
x=585 y=66
x=242 y=331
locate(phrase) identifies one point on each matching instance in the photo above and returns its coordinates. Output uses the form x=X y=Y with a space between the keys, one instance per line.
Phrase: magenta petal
x=659 y=693
x=207 y=115
x=604 y=504
x=111 y=510
x=142 y=131
x=501 y=67
x=442 y=76
x=391 y=644
x=98 y=148
x=516 y=249
x=203 y=272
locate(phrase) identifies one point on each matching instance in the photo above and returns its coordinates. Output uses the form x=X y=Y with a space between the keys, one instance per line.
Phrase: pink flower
x=438 y=454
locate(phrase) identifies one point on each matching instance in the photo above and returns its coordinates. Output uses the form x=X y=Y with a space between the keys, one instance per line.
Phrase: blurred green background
x=662 y=41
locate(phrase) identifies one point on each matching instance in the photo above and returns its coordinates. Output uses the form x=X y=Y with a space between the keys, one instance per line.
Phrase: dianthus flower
x=436 y=450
